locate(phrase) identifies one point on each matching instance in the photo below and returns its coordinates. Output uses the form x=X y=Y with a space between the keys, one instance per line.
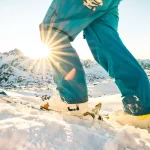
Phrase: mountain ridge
x=19 y=70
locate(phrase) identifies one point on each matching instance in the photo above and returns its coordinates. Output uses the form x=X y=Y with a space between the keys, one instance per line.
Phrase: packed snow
x=25 y=128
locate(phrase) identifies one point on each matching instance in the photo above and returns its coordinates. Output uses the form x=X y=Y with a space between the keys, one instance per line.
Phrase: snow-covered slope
x=24 y=128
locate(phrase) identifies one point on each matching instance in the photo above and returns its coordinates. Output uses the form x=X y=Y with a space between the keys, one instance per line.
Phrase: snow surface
x=24 y=128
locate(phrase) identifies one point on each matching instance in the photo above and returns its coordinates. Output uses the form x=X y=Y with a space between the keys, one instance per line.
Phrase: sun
x=42 y=51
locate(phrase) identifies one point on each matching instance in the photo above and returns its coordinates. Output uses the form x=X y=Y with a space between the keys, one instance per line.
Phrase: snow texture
x=25 y=128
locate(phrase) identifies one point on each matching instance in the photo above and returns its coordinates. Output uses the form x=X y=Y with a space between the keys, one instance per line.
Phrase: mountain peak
x=15 y=52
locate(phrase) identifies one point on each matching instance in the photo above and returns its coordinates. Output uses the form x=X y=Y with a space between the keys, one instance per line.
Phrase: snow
x=25 y=128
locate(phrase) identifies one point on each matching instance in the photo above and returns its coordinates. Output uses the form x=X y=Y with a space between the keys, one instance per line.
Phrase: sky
x=19 y=27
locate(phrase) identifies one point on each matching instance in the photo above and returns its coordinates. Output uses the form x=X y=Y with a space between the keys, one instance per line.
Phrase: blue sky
x=20 y=21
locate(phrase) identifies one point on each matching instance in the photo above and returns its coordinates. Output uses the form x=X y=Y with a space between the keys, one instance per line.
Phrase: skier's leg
x=63 y=21
x=110 y=52
x=68 y=72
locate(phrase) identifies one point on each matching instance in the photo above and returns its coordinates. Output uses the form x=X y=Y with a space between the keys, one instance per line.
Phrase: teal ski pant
x=64 y=20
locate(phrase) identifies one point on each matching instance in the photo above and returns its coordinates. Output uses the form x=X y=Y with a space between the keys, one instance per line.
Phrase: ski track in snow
x=23 y=128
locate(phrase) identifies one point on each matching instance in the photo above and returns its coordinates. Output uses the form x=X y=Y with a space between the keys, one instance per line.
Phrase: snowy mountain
x=145 y=63
x=25 y=128
x=19 y=70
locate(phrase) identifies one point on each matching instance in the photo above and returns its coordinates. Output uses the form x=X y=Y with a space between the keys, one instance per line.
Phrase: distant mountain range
x=19 y=70
x=145 y=63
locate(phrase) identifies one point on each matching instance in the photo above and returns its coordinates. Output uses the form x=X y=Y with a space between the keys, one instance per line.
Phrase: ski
x=94 y=114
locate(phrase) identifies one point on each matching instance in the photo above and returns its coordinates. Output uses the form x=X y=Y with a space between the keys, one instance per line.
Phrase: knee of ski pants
x=50 y=35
